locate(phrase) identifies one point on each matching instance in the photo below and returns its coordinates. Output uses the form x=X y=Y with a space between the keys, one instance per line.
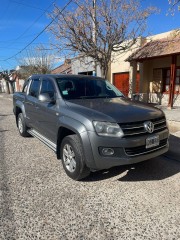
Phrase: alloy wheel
x=69 y=158
x=20 y=125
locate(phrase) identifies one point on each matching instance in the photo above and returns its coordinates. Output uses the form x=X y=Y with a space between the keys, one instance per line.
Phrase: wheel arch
x=62 y=133
x=71 y=126
x=19 y=108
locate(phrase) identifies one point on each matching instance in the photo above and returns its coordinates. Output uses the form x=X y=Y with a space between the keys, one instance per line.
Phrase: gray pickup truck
x=88 y=123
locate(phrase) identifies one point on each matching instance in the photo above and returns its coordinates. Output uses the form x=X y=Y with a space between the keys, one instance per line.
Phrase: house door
x=121 y=81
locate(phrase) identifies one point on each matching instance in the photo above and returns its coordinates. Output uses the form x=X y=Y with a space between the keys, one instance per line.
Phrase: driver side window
x=48 y=88
x=34 y=88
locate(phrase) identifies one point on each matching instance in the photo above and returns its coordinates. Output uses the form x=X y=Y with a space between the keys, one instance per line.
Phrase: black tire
x=22 y=126
x=73 y=159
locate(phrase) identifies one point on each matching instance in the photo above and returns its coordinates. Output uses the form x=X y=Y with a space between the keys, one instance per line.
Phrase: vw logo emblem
x=149 y=126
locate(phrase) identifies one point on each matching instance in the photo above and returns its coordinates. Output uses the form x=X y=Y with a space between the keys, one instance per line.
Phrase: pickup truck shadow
x=6 y=115
x=174 y=147
x=154 y=169
x=3 y=130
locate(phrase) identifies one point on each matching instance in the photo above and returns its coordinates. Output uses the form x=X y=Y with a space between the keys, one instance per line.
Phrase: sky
x=21 y=21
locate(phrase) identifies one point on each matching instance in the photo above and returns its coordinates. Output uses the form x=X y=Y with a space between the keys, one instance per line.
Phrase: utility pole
x=94 y=36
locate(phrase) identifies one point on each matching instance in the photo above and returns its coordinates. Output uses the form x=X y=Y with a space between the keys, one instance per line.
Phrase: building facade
x=149 y=70
x=85 y=66
x=64 y=68
x=152 y=70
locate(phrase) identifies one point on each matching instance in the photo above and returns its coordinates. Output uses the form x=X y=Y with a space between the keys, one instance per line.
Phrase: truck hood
x=114 y=109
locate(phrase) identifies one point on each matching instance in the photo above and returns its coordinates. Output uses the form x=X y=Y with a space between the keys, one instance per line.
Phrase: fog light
x=107 y=151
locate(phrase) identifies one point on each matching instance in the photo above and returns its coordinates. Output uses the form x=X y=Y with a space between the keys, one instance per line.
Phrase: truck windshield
x=85 y=88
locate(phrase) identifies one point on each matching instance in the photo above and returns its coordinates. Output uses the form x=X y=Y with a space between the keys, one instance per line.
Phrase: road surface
x=38 y=200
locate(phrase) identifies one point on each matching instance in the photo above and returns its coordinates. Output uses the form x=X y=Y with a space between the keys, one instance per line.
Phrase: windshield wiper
x=86 y=97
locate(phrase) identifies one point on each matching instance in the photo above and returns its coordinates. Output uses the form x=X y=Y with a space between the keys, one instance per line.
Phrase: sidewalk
x=173 y=119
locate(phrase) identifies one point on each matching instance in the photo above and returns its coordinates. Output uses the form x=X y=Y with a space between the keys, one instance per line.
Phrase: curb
x=174 y=126
x=7 y=96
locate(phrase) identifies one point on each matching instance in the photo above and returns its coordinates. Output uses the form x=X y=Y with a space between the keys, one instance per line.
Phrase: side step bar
x=43 y=139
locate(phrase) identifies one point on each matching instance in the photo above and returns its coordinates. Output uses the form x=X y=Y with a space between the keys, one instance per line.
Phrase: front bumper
x=121 y=156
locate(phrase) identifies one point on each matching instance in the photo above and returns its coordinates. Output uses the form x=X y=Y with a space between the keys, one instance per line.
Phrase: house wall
x=152 y=80
x=118 y=64
x=150 y=71
x=3 y=85
x=84 y=65
x=21 y=84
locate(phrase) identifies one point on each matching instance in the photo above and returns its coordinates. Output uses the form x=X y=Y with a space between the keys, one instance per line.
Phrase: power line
x=40 y=32
x=27 y=5
x=32 y=23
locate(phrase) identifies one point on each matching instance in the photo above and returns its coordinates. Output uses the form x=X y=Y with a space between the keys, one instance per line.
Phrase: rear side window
x=34 y=88
x=25 y=87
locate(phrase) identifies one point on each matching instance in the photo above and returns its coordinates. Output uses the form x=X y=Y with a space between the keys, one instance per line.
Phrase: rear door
x=30 y=102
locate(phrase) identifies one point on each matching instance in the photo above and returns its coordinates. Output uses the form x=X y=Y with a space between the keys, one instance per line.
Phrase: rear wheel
x=22 y=126
x=73 y=158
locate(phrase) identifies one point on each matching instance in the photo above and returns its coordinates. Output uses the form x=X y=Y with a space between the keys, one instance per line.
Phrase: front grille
x=137 y=128
x=143 y=150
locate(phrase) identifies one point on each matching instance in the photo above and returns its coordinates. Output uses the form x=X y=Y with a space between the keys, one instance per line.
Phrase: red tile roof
x=65 y=68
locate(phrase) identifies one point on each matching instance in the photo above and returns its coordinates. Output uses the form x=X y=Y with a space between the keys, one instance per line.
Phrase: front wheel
x=22 y=126
x=73 y=158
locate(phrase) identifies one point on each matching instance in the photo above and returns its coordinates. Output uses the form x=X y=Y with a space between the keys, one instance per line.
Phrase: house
x=64 y=68
x=152 y=70
x=149 y=70
x=121 y=73
x=85 y=66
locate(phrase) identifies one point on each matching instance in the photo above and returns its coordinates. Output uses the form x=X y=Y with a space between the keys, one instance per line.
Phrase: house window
x=167 y=79
x=86 y=73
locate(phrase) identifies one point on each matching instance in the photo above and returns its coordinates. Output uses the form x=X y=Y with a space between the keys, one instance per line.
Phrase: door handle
x=29 y=103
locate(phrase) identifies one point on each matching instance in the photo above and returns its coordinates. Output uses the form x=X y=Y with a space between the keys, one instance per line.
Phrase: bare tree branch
x=36 y=61
x=173 y=4
x=116 y=22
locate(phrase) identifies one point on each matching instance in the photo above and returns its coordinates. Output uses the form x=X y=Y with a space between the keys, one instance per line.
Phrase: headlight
x=108 y=129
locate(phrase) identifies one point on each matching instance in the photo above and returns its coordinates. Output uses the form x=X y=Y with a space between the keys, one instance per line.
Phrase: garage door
x=121 y=81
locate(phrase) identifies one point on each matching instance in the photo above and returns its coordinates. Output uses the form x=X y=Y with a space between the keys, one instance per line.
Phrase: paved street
x=38 y=200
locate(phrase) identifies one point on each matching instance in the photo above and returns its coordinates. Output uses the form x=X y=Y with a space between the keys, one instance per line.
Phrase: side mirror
x=44 y=97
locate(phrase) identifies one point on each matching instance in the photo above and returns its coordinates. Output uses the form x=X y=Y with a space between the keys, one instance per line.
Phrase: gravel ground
x=38 y=200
